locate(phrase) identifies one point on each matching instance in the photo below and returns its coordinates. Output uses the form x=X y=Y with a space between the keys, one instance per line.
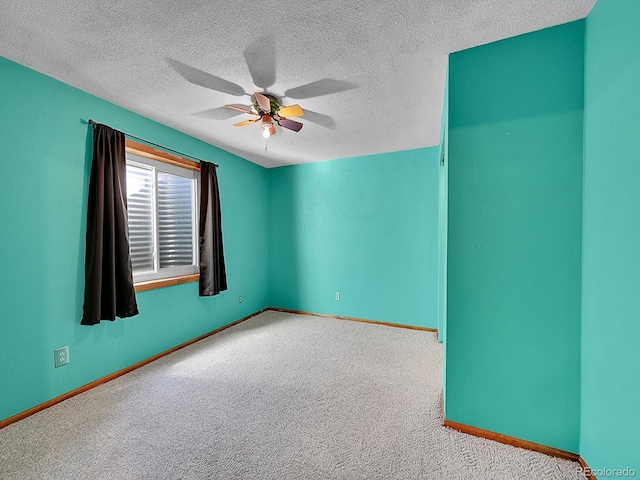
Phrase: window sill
x=166 y=282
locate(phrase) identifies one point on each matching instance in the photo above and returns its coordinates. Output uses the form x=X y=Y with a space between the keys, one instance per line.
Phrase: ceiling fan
x=260 y=57
x=269 y=110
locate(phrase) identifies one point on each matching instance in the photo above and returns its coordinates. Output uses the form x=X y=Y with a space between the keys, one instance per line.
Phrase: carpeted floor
x=279 y=396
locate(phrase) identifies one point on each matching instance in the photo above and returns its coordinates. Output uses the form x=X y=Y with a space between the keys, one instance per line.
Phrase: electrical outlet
x=337 y=296
x=239 y=298
x=61 y=356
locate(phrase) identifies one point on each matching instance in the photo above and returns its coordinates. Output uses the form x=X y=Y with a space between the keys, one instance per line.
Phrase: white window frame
x=167 y=273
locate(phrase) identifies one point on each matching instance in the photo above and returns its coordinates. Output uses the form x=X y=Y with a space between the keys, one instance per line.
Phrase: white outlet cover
x=61 y=356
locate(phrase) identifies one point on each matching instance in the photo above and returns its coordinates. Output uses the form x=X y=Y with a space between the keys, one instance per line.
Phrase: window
x=163 y=212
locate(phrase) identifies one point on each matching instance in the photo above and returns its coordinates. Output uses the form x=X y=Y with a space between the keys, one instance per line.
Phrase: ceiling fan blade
x=319 y=88
x=260 y=56
x=264 y=102
x=204 y=79
x=290 y=124
x=246 y=122
x=291 y=111
x=241 y=109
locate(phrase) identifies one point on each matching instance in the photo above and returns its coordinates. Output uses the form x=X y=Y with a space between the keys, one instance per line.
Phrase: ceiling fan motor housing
x=273 y=100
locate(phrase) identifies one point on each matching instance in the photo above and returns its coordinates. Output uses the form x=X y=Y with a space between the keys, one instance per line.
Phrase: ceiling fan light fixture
x=267 y=127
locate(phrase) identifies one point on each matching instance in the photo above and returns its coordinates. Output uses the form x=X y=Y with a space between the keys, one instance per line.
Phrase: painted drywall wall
x=366 y=227
x=610 y=400
x=514 y=237
x=45 y=154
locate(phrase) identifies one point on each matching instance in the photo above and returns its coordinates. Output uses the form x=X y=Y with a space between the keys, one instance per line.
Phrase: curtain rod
x=91 y=122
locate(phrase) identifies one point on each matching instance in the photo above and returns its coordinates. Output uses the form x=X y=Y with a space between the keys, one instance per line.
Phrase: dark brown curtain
x=108 y=290
x=213 y=276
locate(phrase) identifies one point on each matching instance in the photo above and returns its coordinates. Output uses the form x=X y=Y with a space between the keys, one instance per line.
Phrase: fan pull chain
x=266 y=142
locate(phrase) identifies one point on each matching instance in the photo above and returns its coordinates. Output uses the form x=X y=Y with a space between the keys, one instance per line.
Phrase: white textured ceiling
x=369 y=74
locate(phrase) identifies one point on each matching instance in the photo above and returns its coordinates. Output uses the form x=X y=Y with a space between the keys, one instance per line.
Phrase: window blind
x=140 y=213
x=175 y=220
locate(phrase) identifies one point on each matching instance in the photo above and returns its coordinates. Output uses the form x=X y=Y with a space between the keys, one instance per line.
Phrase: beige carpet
x=280 y=396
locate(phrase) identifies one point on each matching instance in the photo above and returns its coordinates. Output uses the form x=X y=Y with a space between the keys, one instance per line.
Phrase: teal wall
x=45 y=154
x=610 y=408
x=514 y=238
x=366 y=227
